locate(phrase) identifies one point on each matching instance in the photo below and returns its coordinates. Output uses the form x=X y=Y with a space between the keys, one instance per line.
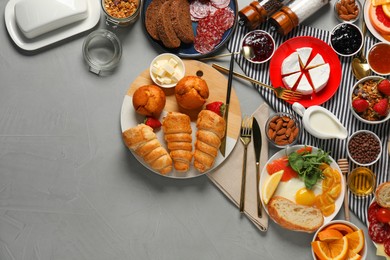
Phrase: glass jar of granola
x=121 y=12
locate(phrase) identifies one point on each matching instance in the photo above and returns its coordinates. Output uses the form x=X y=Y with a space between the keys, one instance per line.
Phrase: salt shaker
x=258 y=11
x=289 y=16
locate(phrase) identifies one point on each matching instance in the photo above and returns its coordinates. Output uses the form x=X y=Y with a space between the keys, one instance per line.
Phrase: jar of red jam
x=262 y=43
x=378 y=58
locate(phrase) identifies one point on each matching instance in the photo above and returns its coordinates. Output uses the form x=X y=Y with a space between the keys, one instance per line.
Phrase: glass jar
x=288 y=17
x=258 y=11
x=121 y=12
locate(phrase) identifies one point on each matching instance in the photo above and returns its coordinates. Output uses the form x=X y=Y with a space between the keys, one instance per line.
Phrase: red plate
x=318 y=46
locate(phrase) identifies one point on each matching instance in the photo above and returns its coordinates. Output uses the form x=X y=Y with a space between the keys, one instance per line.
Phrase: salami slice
x=378 y=232
x=199 y=9
x=224 y=18
x=220 y=3
x=372 y=210
x=386 y=244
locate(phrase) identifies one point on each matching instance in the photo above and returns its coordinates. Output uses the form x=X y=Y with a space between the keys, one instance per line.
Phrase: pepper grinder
x=258 y=12
x=289 y=16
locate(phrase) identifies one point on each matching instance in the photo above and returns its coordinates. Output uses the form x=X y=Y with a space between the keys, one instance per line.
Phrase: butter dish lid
x=37 y=17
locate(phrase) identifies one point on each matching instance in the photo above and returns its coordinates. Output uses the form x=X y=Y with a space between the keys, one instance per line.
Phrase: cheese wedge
x=291 y=64
x=304 y=54
x=316 y=61
x=380 y=250
x=319 y=76
x=290 y=80
x=304 y=86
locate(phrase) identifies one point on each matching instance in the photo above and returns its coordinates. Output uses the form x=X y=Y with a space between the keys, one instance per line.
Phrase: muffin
x=149 y=100
x=191 y=92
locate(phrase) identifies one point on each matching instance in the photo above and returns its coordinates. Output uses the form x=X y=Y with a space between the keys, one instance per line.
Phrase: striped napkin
x=338 y=104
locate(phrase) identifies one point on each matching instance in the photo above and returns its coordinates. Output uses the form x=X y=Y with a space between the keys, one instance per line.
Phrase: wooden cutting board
x=217 y=84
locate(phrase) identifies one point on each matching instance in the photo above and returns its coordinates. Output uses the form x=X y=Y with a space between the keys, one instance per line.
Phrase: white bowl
x=343 y=39
x=252 y=38
x=359 y=6
x=363 y=253
x=383 y=58
x=361 y=81
x=176 y=66
x=380 y=148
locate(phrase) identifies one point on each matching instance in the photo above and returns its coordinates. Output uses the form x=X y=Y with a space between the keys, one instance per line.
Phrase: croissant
x=143 y=141
x=210 y=130
x=177 y=132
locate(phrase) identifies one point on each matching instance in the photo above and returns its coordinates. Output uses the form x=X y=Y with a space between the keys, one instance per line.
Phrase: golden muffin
x=149 y=100
x=191 y=92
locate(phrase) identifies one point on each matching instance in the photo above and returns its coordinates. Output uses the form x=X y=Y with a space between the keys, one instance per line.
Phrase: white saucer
x=51 y=37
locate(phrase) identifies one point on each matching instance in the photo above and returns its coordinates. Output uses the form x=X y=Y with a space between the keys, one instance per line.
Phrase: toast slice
x=382 y=195
x=165 y=29
x=293 y=216
x=151 y=16
x=181 y=20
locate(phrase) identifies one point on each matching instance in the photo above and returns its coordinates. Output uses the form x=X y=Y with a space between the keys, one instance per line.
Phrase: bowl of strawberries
x=370 y=100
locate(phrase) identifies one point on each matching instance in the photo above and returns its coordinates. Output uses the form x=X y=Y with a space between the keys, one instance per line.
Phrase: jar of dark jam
x=346 y=39
x=262 y=43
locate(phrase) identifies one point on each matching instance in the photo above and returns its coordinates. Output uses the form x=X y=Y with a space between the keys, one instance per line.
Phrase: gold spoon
x=246 y=51
x=360 y=67
x=344 y=167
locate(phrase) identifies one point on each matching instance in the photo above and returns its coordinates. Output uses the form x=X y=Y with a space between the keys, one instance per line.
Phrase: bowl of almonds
x=347 y=10
x=282 y=129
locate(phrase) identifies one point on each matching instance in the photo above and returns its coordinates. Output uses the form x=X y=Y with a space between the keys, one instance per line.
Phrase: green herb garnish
x=307 y=164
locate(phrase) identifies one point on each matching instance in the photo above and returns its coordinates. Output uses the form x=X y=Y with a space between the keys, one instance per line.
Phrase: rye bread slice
x=181 y=20
x=151 y=16
x=165 y=29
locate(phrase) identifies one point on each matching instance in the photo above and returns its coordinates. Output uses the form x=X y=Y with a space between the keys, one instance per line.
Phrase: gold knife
x=222 y=148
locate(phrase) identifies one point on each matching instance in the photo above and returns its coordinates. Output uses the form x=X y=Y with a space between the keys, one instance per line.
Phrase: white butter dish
x=37 y=17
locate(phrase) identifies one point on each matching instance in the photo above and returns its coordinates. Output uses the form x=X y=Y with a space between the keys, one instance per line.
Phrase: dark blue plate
x=188 y=50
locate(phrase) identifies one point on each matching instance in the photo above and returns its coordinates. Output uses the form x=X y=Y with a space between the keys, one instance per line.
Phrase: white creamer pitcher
x=320 y=122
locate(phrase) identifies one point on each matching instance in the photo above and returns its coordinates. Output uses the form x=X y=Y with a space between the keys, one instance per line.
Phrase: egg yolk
x=305 y=197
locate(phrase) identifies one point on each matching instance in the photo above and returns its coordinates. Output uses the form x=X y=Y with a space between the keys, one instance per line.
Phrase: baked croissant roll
x=211 y=129
x=177 y=132
x=143 y=141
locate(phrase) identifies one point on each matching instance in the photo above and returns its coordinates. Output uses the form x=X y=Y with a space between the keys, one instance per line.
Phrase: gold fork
x=282 y=93
x=245 y=137
x=344 y=167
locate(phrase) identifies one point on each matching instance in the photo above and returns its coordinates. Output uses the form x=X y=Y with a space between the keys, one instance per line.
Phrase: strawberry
x=152 y=122
x=384 y=87
x=217 y=107
x=360 y=105
x=382 y=107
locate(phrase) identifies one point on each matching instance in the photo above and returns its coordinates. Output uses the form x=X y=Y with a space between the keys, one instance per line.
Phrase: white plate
x=130 y=119
x=51 y=37
x=369 y=25
x=281 y=153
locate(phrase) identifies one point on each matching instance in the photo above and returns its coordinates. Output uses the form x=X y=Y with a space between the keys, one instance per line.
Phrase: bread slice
x=181 y=20
x=293 y=216
x=165 y=29
x=151 y=16
x=382 y=195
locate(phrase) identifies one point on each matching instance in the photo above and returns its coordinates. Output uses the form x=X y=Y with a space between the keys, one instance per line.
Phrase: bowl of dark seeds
x=364 y=148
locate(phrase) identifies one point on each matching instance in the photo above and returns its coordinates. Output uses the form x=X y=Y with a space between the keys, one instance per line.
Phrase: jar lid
x=102 y=51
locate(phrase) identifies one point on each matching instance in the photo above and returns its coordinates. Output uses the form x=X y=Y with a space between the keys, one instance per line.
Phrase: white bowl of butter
x=166 y=70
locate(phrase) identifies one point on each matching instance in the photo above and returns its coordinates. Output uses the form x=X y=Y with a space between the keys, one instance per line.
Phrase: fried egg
x=295 y=190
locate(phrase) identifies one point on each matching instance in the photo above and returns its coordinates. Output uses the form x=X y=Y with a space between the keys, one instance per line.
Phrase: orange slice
x=353 y=256
x=321 y=250
x=386 y=9
x=344 y=229
x=329 y=235
x=334 y=191
x=379 y=2
x=328 y=210
x=356 y=241
x=339 y=248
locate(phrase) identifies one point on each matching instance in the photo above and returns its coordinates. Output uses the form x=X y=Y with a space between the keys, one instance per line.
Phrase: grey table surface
x=70 y=189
